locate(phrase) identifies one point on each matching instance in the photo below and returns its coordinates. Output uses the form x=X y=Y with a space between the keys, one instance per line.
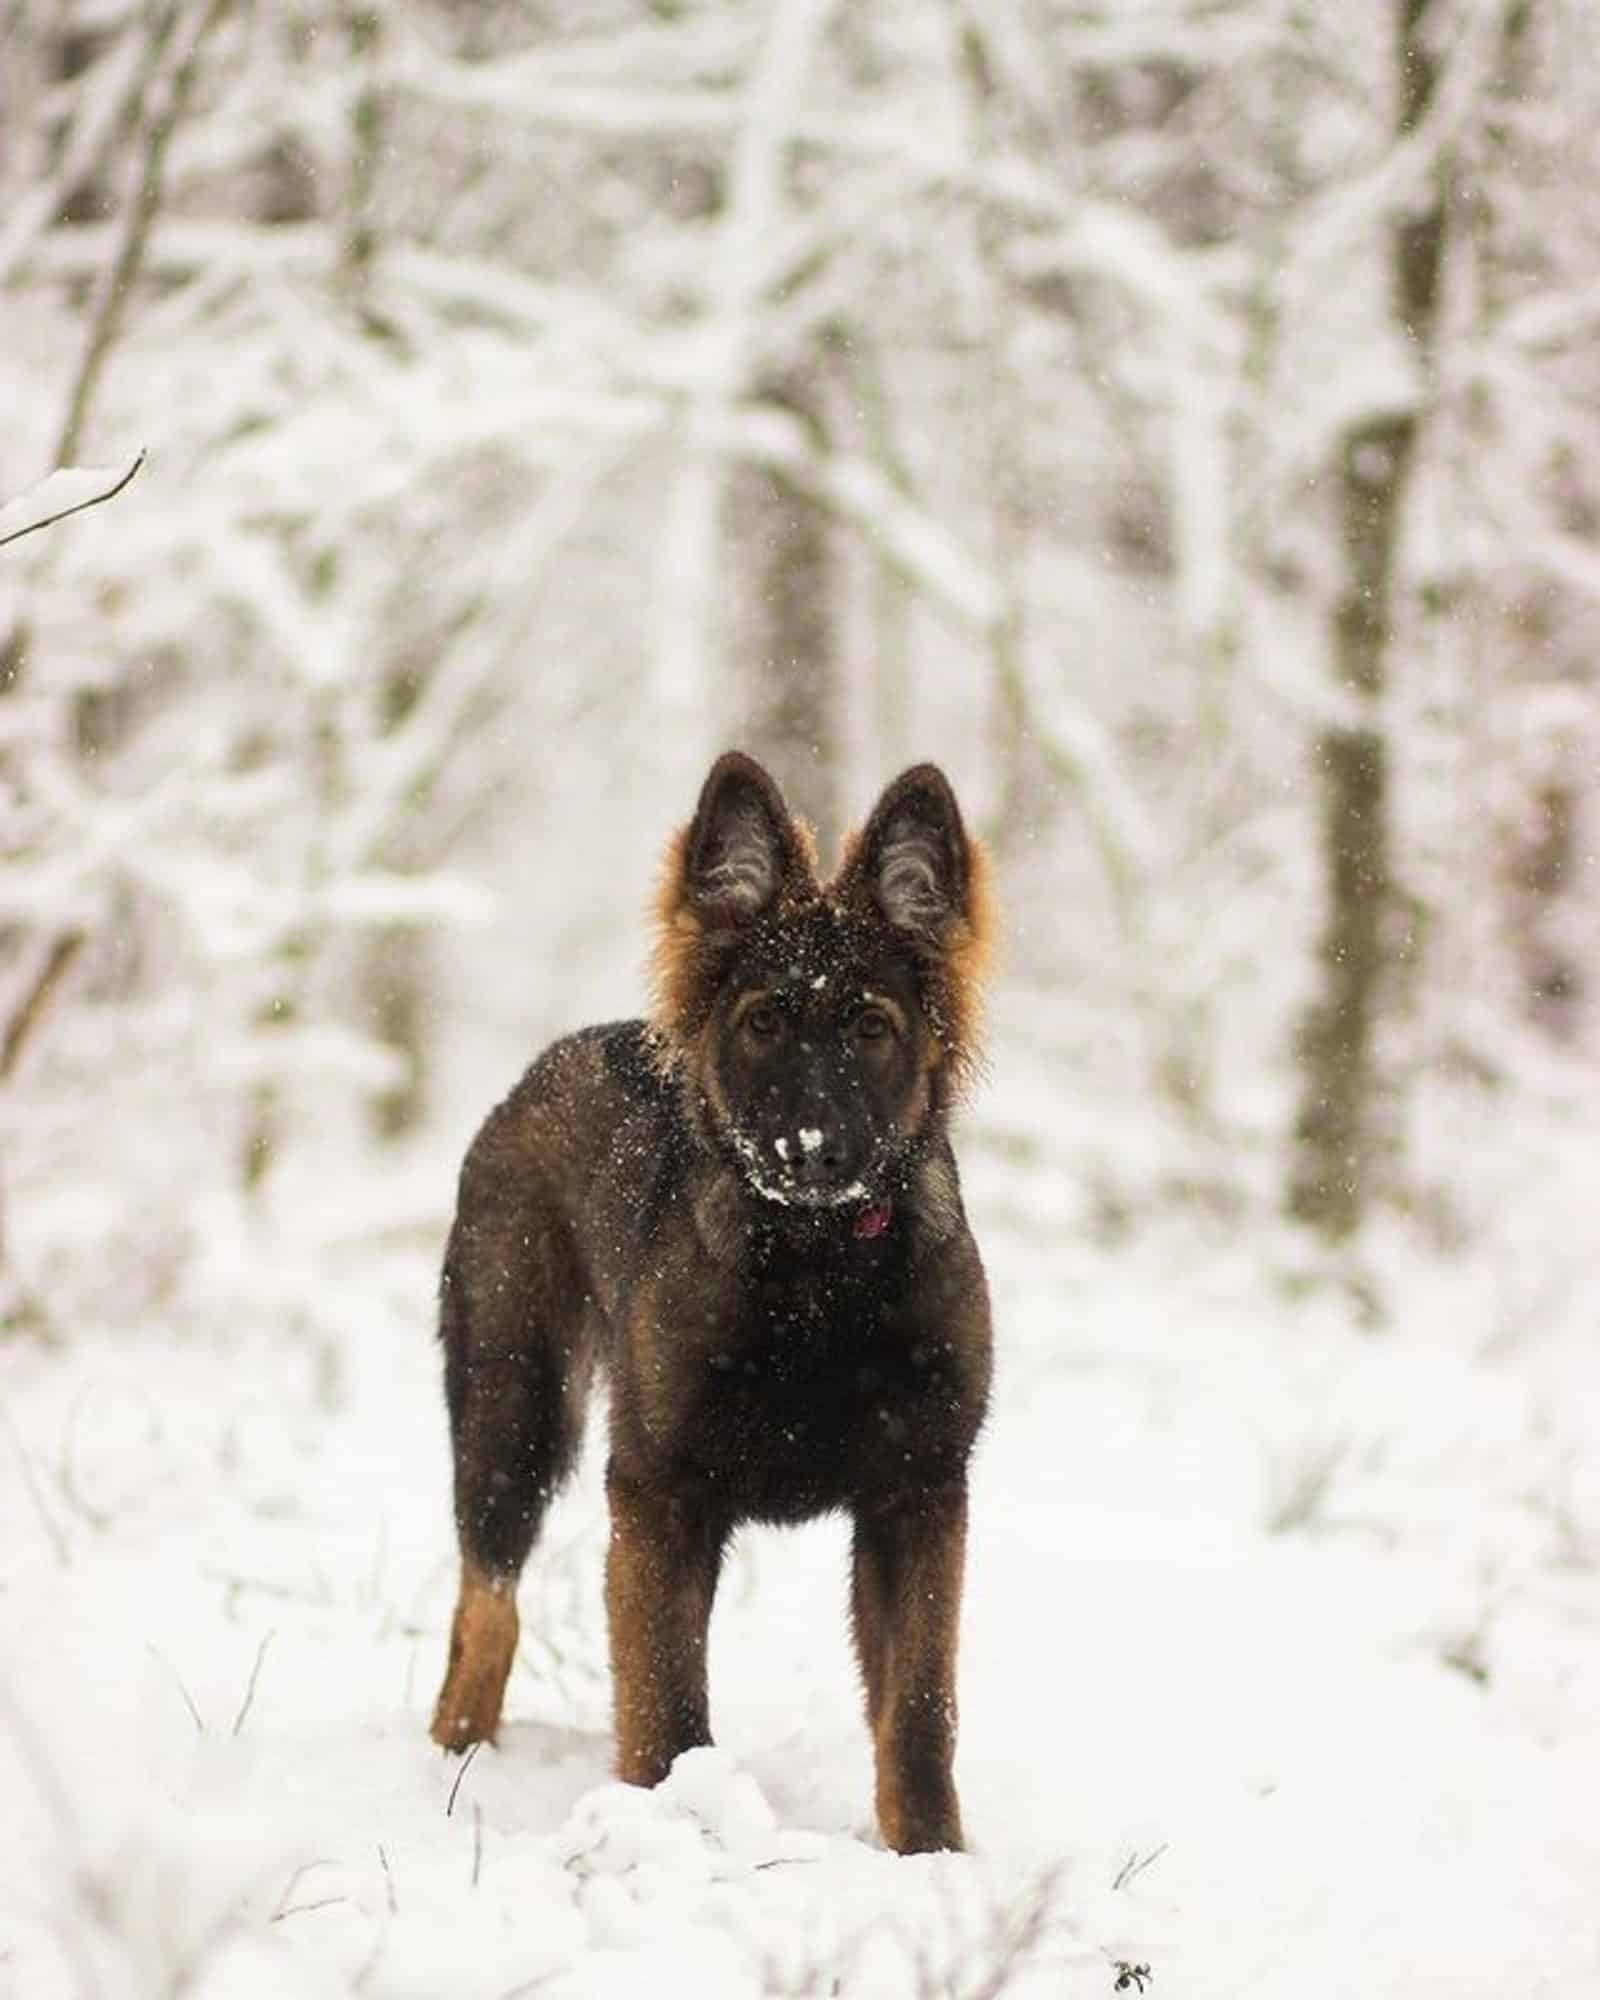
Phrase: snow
x=1279 y=1672
x=761 y=1181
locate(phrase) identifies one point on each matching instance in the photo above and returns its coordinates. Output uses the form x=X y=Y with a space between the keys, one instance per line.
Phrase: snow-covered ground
x=1280 y=1676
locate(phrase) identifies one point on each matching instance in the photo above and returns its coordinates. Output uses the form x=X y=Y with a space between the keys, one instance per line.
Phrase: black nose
x=821 y=1164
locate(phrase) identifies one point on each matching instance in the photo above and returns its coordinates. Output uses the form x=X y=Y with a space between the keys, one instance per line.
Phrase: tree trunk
x=784 y=544
x=1337 y=1137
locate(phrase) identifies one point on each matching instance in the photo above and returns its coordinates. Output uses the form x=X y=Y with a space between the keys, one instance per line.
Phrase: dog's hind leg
x=516 y=1389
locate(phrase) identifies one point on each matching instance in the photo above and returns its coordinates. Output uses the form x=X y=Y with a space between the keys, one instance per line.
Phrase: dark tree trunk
x=783 y=540
x=1337 y=1132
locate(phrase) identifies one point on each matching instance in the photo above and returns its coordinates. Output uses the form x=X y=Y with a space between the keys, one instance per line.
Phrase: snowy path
x=1356 y=1755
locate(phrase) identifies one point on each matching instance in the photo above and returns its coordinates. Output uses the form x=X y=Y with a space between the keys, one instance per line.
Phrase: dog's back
x=749 y=1210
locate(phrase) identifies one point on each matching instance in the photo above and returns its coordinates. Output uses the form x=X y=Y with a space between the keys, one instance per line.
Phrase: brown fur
x=905 y=1598
x=749 y=1214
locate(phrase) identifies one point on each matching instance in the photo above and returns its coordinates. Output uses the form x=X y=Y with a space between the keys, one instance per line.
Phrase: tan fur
x=483 y=1644
x=970 y=955
x=673 y=969
x=969 y=952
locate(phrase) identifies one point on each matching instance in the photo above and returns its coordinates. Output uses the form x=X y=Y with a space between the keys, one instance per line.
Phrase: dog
x=746 y=1212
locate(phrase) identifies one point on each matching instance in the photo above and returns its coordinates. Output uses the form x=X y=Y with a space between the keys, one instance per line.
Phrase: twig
x=87 y=1885
x=56 y=1538
x=477 y=1842
x=98 y=1518
x=300 y=1909
x=78 y=507
x=255 y=1675
x=466 y=1765
x=29 y=1010
x=1136 y=1865
x=1019 y=1938
x=537 y=1984
x=188 y=1699
x=289 y=1887
x=267 y=1588
x=106 y=321
x=388 y=1883
x=100 y=127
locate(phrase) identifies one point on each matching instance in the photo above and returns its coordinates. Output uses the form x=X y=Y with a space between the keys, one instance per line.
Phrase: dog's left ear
x=913 y=857
x=915 y=862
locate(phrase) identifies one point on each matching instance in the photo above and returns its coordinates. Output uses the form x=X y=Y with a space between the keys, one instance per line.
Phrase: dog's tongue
x=873 y=1221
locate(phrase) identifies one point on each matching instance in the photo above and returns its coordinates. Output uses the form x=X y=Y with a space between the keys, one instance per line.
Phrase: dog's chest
x=816 y=1391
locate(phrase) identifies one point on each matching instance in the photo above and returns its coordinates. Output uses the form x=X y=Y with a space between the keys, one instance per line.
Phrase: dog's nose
x=819 y=1156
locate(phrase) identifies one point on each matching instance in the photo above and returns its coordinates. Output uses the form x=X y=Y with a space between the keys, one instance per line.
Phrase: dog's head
x=822 y=1028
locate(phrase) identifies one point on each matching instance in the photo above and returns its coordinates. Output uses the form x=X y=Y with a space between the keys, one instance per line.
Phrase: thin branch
x=106 y=321
x=1015 y=1939
x=188 y=1699
x=53 y=1534
x=1136 y=1864
x=78 y=506
x=390 y=1895
x=255 y=1675
x=297 y=1876
x=102 y=123
x=300 y=1909
x=30 y=1009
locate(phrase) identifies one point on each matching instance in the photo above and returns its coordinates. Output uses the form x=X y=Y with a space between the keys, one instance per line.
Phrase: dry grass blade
x=466 y=1765
x=255 y=1675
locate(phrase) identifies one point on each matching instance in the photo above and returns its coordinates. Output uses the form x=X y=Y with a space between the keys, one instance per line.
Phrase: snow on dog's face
x=819 y=1026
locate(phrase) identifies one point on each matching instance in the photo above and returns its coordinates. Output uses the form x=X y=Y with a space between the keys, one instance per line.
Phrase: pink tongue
x=873 y=1221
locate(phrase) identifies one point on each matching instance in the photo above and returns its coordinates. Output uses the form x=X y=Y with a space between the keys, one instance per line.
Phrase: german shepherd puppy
x=747 y=1211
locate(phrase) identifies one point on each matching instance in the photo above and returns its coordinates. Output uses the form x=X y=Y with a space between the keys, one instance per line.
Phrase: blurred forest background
x=1181 y=418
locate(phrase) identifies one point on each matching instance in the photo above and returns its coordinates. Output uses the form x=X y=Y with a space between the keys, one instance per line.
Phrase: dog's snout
x=820 y=1155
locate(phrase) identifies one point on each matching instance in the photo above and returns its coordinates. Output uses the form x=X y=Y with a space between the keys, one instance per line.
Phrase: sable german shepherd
x=747 y=1209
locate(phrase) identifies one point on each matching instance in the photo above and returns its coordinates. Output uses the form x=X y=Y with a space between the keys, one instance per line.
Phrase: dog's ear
x=913 y=858
x=738 y=858
x=917 y=865
x=742 y=849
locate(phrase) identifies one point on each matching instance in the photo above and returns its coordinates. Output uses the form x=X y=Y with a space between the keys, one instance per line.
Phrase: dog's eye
x=872 y=1024
x=763 y=1021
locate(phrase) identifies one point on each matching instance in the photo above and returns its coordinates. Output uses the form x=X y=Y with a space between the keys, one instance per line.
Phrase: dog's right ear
x=739 y=856
x=741 y=850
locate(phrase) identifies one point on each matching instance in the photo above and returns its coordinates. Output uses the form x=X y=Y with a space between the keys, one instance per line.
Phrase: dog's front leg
x=906 y=1592
x=661 y=1576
